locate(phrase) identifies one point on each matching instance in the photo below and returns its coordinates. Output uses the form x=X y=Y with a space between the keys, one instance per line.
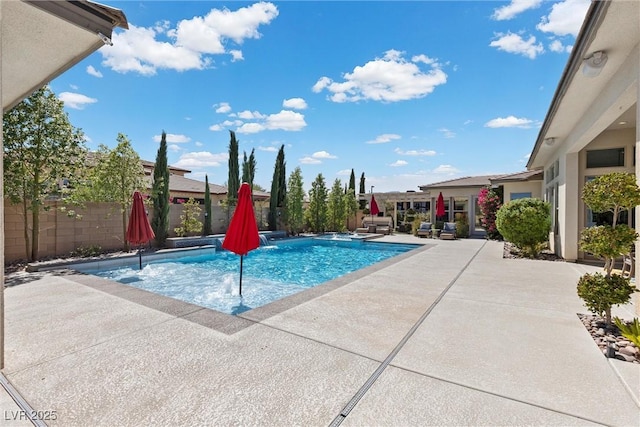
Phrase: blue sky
x=409 y=93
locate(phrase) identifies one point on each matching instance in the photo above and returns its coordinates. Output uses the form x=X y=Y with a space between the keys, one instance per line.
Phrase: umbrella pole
x=241 y=258
x=140 y=256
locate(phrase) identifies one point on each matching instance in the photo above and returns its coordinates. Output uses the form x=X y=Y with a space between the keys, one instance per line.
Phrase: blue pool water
x=270 y=272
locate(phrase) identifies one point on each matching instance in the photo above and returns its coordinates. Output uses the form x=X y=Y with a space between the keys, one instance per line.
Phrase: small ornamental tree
x=295 y=202
x=525 y=223
x=612 y=193
x=189 y=222
x=489 y=201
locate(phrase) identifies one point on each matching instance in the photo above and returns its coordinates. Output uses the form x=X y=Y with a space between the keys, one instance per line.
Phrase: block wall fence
x=100 y=224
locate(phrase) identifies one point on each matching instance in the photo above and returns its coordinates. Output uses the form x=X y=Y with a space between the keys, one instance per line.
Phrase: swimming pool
x=270 y=272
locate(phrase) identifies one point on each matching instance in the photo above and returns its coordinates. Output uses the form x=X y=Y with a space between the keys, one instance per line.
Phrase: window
x=514 y=196
x=460 y=208
x=612 y=157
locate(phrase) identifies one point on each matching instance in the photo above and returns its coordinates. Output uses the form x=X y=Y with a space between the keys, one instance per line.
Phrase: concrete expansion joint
x=626 y=386
x=502 y=396
x=24 y=406
x=344 y=413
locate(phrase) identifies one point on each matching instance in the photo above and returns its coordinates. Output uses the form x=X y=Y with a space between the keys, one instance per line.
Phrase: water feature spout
x=263 y=240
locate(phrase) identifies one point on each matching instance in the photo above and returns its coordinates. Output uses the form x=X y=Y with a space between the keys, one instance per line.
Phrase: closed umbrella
x=374 y=207
x=440 y=206
x=139 y=230
x=242 y=235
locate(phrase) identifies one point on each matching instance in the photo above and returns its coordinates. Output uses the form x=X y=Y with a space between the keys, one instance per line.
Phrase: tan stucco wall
x=100 y=224
x=533 y=187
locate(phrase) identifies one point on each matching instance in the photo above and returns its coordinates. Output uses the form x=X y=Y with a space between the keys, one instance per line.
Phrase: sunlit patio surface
x=451 y=334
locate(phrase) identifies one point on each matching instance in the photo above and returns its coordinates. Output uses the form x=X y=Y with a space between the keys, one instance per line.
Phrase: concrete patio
x=451 y=334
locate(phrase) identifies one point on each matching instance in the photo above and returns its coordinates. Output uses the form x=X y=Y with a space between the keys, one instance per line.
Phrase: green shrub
x=630 y=331
x=86 y=251
x=462 y=226
x=525 y=223
x=600 y=293
x=607 y=242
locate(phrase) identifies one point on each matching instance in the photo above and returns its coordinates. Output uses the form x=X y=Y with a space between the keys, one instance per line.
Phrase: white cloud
x=447 y=133
x=222 y=108
x=514 y=43
x=201 y=159
x=285 y=120
x=514 y=8
x=558 y=47
x=208 y=33
x=250 y=115
x=384 y=138
x=415 y=152
x=399 y=163
x=269 y=149
x=446 y=169
x=565 y=18
x=216 y=128
x=199 y=144
x=388 y=79
x=236 y=55
x=137 y=50
x=468 y=122
x=509 y=122
x=323 y=155
x=174 y=147
x=344 y=172
x=295 y=103
x=309 y=161
x=173 y=138
x=77 y=101
x=188 y=45
x=250 y=128
x=92 y=71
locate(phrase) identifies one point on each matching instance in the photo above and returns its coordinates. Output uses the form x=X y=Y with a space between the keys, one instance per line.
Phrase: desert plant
x=630 y=330
x=525 y=223
x=600 y=293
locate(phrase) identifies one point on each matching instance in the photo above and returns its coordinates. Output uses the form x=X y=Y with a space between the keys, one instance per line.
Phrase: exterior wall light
x=549 y=141
x=593 y=65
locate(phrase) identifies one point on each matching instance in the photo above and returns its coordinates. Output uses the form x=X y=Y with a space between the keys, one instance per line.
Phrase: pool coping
x=217 y=320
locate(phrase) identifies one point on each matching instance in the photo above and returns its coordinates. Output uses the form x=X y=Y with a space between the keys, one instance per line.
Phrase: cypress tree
x=233 y=185
x=206 y=230
x=352 y=181
x=278 y=191
x=363 y=203
x=160 y=194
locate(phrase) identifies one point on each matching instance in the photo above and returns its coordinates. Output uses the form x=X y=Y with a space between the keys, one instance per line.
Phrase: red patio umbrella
x=440 y=206
x=139 y=230
x=373 y=207
x=242 y=235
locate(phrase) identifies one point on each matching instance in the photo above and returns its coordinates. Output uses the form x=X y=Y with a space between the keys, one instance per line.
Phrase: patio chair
x=425 y=229
x=448 y=231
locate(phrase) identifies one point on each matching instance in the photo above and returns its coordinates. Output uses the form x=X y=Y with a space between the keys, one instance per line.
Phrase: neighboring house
x=591 y=126
x=182 y=188
x=41 y=40
x=461 y=195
